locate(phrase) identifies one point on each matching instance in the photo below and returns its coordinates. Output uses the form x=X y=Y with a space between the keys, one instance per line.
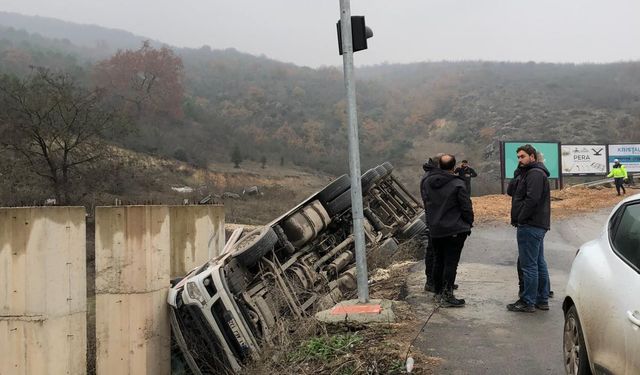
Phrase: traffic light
x=359 y=34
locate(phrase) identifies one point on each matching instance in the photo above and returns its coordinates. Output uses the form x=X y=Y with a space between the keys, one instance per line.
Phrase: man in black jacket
x=429 y=252
x=531 y=214
x=450 y=218
x=466 y=172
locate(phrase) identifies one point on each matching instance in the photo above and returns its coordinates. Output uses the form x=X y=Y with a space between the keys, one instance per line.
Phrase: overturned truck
x=222 y=312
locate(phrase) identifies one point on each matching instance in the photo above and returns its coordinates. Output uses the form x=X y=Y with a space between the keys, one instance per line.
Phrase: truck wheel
x=413 y=228
x=369 y=179
x=388 y=166
x=251 y=248
x=333 y=189
x=382 y=171
x=339 y=204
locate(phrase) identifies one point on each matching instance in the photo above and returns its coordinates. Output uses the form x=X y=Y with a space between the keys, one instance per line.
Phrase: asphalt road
x=485 y=338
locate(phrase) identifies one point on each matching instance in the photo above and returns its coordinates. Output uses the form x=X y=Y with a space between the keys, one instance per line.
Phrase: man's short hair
x=435 y=160
x=447 y=162
x=464 y=162
x=529 y=150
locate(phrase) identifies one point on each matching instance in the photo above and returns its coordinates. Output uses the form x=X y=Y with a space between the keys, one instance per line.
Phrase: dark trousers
x=429 y=255
x=467 y=183
x=520 y=280
x=447 y=251
x=619 y=185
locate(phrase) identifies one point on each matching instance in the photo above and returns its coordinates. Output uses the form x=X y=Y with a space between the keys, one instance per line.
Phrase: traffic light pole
x=354 y=152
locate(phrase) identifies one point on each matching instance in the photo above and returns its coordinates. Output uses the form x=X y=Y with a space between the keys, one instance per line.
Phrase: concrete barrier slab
x=42 y=290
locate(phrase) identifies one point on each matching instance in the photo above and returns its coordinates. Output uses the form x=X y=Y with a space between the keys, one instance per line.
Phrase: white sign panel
x=584 y=159
x=628 y=155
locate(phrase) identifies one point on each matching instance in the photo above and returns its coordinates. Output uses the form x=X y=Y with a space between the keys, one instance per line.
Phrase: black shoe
x=449 y=300
x=521 y=306
x=455 y=286
x=429 y=287
x=551 y=294
x=542 y=306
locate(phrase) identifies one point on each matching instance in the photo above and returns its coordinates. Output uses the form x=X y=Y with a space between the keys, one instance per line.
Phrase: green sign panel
x=548 y=153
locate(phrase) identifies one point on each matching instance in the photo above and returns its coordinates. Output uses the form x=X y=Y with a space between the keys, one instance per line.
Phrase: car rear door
x=625 y=262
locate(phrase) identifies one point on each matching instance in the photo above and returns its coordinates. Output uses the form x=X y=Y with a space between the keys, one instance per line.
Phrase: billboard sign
x=629 y=156
x=584 y=160
x=548 y=153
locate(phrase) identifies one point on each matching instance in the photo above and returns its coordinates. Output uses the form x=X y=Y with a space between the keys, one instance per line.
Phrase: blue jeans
x=535 y=274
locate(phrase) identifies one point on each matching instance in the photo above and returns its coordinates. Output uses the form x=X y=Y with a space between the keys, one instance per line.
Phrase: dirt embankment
x=564 y=203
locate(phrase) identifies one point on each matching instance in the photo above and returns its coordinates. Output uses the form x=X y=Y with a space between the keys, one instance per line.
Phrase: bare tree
x=55 y=126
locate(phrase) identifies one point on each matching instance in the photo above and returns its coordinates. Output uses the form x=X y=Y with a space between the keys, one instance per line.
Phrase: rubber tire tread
x=382 y=171
x=584 y=368
x=413 y=229
x=334 y=189
x=257 y=246
x=388 y=166
x=339 y=204
x=369 y=179
x=423 y=217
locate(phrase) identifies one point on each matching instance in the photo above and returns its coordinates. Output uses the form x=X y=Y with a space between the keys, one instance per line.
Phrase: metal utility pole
x=354 y=152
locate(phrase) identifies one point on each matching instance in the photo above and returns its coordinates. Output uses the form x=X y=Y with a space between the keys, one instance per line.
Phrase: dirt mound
x=564 y=203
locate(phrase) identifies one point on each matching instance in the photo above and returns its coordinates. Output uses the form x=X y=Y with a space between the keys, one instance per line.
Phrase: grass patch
x=326 y=348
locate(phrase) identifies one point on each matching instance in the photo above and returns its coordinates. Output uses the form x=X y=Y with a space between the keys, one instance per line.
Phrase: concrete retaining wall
x=42 y=290
x=138 y=248
x=132 y=277
x=43 y=303
x=197 y=234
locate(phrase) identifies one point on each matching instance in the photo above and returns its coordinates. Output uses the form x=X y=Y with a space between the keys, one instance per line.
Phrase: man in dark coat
x=531 y=214
x=466 y=172
x=450 y=218
x=429 y=252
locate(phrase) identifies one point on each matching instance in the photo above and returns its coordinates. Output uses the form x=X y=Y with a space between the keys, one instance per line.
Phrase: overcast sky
x=304 y=32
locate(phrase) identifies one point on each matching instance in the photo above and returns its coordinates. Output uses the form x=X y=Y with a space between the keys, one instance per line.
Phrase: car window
x=626 y=239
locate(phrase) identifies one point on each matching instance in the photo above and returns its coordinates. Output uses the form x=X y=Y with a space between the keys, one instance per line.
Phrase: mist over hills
x=282 y=111
x=87 y=36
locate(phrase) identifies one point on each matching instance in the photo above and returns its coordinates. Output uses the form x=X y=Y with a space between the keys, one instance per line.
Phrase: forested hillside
x=196 y=105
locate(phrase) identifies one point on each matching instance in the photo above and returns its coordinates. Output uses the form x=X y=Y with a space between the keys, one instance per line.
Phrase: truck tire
x=339 y=204
x=423 y=217
x=369 y=179
x=333 y=189
x=382 y=171
x=388 y=166
x=413 y=228
x=251 y=248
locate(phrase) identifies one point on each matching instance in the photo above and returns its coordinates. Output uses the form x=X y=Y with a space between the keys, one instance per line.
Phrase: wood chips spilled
x=564 y=203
